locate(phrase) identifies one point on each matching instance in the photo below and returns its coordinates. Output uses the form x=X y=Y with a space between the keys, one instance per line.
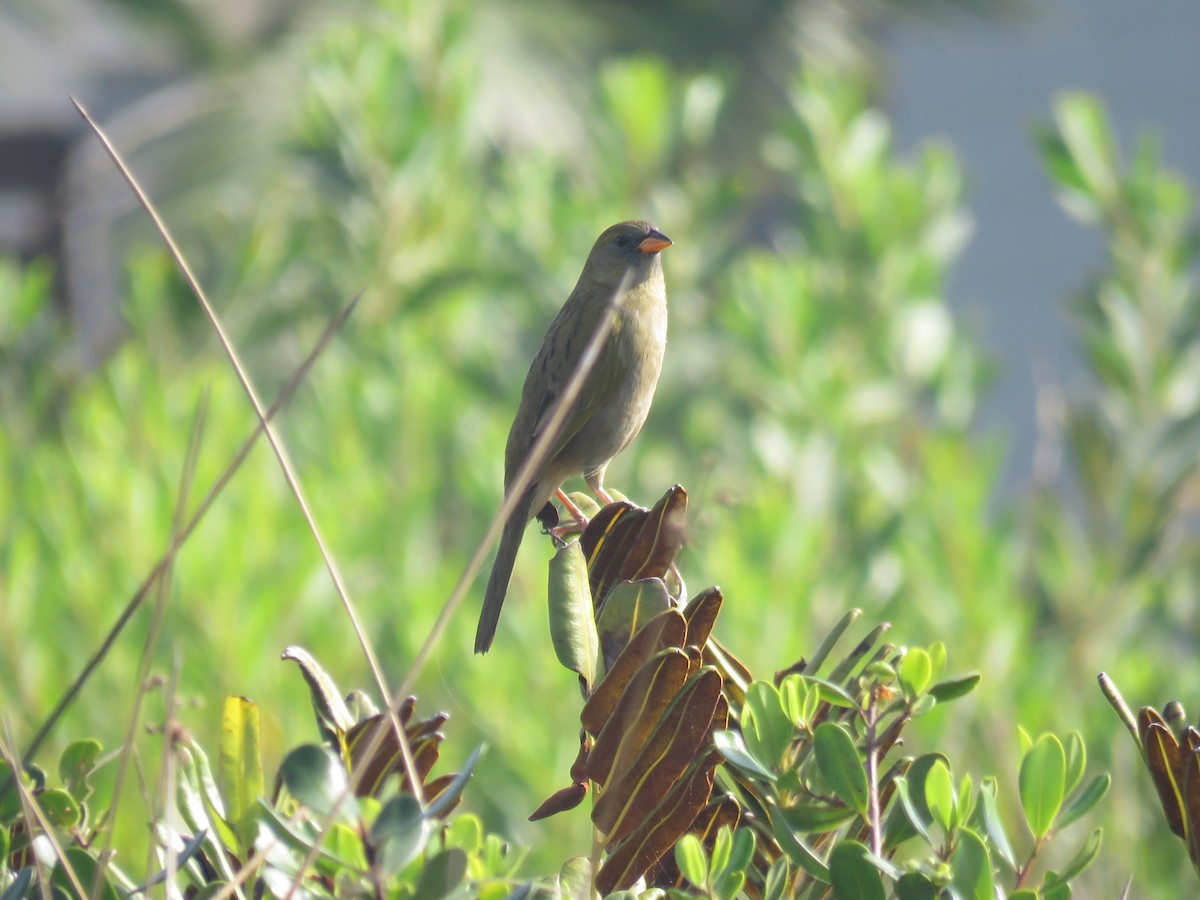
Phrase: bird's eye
x=622 y=241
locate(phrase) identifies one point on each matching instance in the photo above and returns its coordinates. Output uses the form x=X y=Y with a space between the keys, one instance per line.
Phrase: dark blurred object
x=32 y=158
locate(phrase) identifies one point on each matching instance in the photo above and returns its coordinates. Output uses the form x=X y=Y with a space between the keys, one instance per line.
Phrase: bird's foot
x=578 y=520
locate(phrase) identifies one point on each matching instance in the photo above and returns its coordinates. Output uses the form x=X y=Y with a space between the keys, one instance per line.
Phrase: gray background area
x=984 y=84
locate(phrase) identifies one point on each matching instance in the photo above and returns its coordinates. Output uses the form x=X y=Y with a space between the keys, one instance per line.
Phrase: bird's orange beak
x=654 y=242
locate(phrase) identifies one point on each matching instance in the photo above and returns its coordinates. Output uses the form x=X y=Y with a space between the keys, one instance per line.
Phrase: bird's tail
x=497 y=586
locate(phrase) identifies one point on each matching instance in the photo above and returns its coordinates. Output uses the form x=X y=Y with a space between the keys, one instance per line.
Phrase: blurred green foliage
x=817 y=402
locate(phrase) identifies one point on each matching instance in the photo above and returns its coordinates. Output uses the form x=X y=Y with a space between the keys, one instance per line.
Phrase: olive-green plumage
x=616 y=395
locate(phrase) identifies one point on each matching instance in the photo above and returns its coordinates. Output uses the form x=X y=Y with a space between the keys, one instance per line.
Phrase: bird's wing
x=548 y=377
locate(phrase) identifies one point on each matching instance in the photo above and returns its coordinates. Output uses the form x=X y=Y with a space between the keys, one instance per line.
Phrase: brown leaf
x=560 y=801
x=683 y=731
x=1190 y=776
x=627 y=543
x=640 y=708
x=1162 y=759
x=423 y=738
x=701 y=614
x=633 y=856
x=667 y=629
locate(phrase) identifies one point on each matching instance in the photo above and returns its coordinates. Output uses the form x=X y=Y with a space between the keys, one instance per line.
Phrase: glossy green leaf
x=399 y=833
x=833 y=694
x=993 y=824
x=916 y=672
x=315 y=777
x=953 y=688
x=87 y=871
x=765 y=726
x=915 y=886
x=731 y=746
x=575 y=877
x=971 y=867
x=572 y=618
x=840 y=764
x=939 y=796
x=59 y=807
x=1042 y=778
x=775 y=883
x=1083 y=801
x=1080 y=861
x=797 y=849
x=793 y=694
x=853 y=875
x=690 y=857
x=1076 y=752
x=728 y=885
x=722 y=847
x=809 y=817
x=76 y=764
x=742 y=851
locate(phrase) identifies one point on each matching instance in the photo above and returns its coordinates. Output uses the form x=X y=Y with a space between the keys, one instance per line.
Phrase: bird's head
x=627 y=246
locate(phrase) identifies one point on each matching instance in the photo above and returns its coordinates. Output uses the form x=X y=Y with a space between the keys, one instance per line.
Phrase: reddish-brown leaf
x=701 y=614
x=560 y=801
x=641 y=706
x=683 y=731
x=646 y=844
x=667 y=629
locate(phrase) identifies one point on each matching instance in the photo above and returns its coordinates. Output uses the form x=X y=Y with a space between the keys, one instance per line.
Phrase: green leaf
x=939 y=796
x=10 y=796
x=689 y=856
x=59 y=807
x=87 y=871
x=1087 y=853
x=445 y=871
x=572 y=617
x=916 y=671
x=833 y=694
x=765 y=726
x=742 y=851
x=971 y=867
x=76 y=764
x=239 y=765
x=1083 y=801
x=731 y=746
x=853 y=875
x=809 y=817
x=1086 y=131
x=937 y=658
x=793 y=694
x=728 y=885
x=1076 y=752
x=796 y=849
x=915 y=886
x=315 y=777
x=994 y=825
x=575 y=877
x=953 y=688
x=722 y=847
x=839 y=761
x=1042 y=777
x=775 y=884
x=399 y=833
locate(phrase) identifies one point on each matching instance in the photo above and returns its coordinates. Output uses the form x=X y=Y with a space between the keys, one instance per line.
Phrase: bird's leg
x=580 y=520
x=595 y=482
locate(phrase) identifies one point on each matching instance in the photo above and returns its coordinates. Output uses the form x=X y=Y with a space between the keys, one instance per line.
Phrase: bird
x=615 y=397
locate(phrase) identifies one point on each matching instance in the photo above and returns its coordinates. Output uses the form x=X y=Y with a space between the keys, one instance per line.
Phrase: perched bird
x=616 y=395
